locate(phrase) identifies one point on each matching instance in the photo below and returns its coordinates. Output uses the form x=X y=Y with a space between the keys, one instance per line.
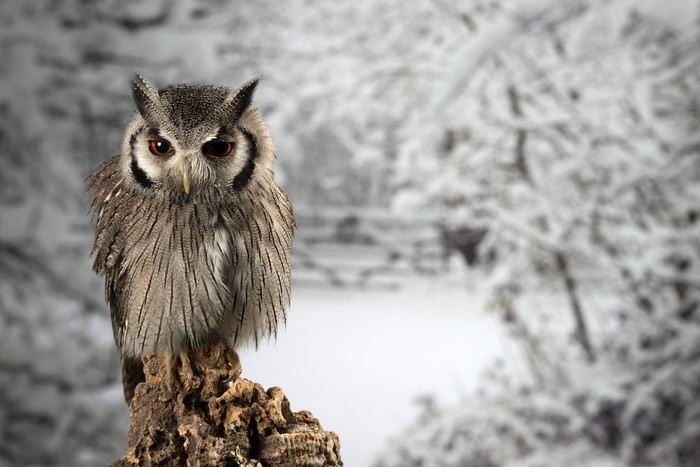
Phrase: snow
x=353 y=91
x=679 y=14
x=470 y=55
x=358 y=360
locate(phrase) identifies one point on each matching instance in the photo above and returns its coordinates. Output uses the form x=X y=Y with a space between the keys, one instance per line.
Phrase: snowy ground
x=359 y=359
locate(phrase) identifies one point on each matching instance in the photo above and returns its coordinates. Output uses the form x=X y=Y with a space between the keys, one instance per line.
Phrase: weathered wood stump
x=205 y=422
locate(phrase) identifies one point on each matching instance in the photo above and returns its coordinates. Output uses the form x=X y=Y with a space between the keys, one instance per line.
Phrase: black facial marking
x=242 y=179
x=138 y=173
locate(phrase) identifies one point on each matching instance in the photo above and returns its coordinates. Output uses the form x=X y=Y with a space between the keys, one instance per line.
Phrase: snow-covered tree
x=570 y=134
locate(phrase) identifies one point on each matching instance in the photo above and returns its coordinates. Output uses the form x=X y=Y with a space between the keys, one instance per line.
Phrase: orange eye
x=218 y=148
x=160 y=147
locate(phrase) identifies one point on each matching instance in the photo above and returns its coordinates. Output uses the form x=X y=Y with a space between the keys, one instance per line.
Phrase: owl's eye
x=160 y=147
x=218 y=148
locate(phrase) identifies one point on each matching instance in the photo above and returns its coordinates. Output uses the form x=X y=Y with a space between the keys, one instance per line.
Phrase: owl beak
x=186 y=180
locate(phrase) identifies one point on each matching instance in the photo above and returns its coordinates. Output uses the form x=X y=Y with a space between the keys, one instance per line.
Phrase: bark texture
x=204 y=422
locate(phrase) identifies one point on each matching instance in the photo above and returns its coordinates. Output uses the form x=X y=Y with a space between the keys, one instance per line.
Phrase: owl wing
x=112 y=205
x=261 y=226
x=109 y=206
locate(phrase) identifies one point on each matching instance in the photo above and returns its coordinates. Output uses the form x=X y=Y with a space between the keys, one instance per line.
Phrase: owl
x=193 y=235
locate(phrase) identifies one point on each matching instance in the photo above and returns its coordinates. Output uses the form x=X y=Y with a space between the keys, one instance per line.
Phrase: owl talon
x=171 y=368
x=234 y=364
x=233 y=375
x=185 y=376
x=219 y=350
x=186 y=368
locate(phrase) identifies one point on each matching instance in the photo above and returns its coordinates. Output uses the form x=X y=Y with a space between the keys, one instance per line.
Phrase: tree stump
x=205 y=422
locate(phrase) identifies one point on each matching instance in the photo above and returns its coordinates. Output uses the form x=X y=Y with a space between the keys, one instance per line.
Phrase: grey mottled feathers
x=190 y=268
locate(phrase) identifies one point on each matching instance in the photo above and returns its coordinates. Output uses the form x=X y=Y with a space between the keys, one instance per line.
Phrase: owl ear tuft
x=146 y=97
x=239 y=100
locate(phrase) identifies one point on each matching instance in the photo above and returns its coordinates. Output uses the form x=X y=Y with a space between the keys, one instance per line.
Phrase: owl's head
x=183 y=139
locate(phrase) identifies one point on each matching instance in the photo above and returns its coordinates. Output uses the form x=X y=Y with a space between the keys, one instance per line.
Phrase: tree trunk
x=205 y=422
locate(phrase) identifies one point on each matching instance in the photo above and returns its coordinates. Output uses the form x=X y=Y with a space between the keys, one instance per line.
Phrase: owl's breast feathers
x=187 y=272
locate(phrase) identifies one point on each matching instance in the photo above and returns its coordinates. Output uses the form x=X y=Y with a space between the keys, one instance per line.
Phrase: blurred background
x=497 y=259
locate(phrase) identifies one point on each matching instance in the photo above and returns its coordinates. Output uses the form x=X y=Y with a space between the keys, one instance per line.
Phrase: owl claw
x=234 y=364
x=231 y=359
x=186 y=367
x=171 y=363
x=219 y=350
x=171 y=368
x=183 y=367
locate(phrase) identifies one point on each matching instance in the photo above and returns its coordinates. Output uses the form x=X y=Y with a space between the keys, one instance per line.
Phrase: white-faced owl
x=193 y=235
